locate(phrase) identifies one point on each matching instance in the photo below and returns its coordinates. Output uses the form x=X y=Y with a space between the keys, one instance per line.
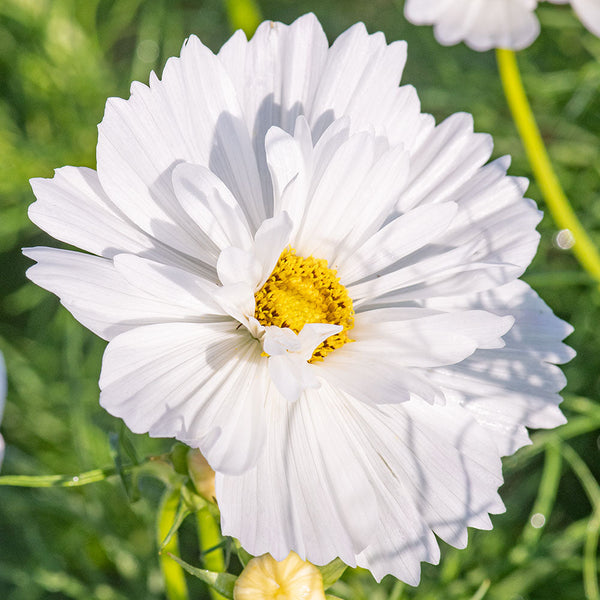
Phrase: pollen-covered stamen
x=305 y=290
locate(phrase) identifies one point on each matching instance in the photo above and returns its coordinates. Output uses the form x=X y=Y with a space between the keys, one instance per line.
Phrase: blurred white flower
x=303 y=276
x=486 y=24
x=2 y=401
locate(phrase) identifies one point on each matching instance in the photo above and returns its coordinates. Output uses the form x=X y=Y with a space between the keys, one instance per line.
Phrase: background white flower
x=436 y=357
x=486 y=24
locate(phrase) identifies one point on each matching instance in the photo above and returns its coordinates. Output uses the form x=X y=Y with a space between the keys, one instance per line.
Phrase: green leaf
x=220 y=582
x=180 y=515
x=120 y=446
x=331 y=572
x=178 y=456
x=244 y=556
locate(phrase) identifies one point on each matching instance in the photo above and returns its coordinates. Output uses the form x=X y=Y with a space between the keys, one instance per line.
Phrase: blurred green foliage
x=59 y=61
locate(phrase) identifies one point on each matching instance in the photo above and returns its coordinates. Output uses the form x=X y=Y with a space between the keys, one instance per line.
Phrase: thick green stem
x=561 y=210
x=175 y=586
x=209 y=536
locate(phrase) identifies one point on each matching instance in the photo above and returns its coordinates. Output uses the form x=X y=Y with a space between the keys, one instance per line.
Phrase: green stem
x=243 y=14
x=209 y=537
x=176 y=588
x=43 y=481
x=546 y=494
x=592 y=489
x=583 y=248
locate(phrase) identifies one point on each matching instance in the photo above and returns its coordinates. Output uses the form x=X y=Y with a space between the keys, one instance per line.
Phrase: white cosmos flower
x=252 y=204
x=486 y=24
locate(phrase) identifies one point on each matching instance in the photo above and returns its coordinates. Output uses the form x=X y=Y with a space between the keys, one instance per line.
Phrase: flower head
x=264 y=578
x=303 y=276
x=486 y=24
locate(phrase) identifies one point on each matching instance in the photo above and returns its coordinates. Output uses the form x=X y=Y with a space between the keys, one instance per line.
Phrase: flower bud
x=201 y=474
x=264 y=578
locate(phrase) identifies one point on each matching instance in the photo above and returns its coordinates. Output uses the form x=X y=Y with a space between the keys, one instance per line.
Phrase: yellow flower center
x=305 y=290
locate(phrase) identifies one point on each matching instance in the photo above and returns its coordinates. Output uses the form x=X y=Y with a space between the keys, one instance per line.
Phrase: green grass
x=59 y=61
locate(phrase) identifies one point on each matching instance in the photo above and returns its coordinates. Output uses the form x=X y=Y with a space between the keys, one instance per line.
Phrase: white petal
x=440 y=274
x=254 y=266
x=289 y=354
x=427 y=341
x=275 y=75
x=360 y=73
x=589 y=13
x=287 y=163
x=309 y=491
x=536 y=330
x=73 y=208
x=201 y=383
x=368 y=375
x=212 y=207
x=279 y=340
x=492 y=207
x=345 y=187
x=239 y=266
x=313 y=334
x=237 y=300
x=481 y=24
x=440 y=459
x=401 y=237
x=102 y=299
x=447 y=158
x=292 y=375
x=184 y=118
x=514 y=387
x=369 y=195
x=424 y=12
x=171 y=284
x=269 y=242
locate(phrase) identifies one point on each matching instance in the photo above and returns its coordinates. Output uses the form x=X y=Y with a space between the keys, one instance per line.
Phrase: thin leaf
x=223 y=583
x=331 y=572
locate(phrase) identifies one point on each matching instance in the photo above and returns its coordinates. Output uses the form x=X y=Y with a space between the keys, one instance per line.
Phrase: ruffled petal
x=73 y=208
x=308 y=491
x=434 y=463
x=427 y=474
x=481 y=24
x=275 y=75
x=183 y=118
x=396 y=240
x=589 y=13
x=106 y=299
x=212 y=207
x=203 y=384
x=509 y=389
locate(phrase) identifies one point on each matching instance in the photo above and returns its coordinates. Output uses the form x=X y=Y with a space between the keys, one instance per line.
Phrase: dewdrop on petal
x=265 y=578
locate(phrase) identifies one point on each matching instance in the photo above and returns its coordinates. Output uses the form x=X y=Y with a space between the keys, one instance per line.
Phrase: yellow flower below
x=305 y=290
x=264 y=578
